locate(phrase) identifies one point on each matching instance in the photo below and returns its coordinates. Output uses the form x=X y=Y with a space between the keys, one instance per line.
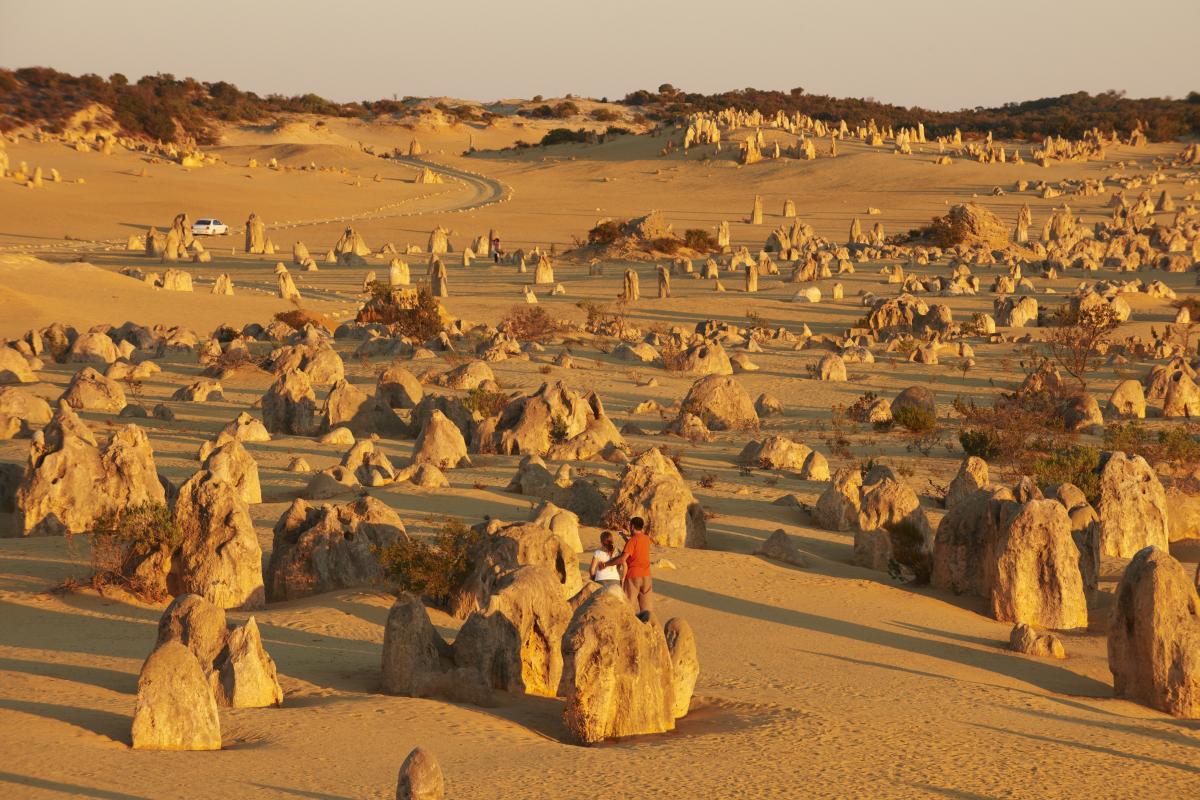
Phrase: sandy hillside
x=827 y=681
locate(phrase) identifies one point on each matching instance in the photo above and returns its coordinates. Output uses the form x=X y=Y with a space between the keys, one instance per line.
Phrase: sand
x=831 y=681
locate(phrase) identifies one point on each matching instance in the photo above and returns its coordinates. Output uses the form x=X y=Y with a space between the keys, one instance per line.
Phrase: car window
x=201 y=222
x=217 y=222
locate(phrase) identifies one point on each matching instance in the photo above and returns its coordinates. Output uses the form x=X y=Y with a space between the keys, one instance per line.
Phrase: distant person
x=602 y=568
x=496 y=250
x=636 y=558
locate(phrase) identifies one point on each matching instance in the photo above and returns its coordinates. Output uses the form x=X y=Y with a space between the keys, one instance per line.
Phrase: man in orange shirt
x=636 y=558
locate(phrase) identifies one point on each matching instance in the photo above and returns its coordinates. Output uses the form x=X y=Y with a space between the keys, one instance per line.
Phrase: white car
x=209 y=227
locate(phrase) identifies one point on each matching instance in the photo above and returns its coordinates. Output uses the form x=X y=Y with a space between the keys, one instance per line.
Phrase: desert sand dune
x=825 y=680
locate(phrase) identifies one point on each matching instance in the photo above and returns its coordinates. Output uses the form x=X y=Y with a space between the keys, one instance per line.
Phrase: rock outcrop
x=652 y=488
x=175 y=707
x=1154 y=635
x=70 y=482
x=618 y=676
x=218 y=557
x=322 y=548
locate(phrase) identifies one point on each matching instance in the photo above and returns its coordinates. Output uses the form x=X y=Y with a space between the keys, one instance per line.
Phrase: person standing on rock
x=636 y=558
x=496 y=250
x=602 y=569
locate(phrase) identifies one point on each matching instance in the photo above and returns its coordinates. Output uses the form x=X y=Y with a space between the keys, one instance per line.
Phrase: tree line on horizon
x=172 y=109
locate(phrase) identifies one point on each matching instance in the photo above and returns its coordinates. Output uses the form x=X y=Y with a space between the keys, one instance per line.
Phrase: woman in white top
x=604 y=575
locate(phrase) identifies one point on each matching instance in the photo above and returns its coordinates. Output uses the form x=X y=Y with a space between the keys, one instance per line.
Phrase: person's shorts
x=643 y=583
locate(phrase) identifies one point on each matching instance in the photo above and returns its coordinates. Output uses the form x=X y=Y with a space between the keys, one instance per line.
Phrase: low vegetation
x=434 y=570
x=122 y=541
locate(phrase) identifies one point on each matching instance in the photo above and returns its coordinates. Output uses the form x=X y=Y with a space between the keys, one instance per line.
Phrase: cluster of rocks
x=532 y=628
x=200 y=662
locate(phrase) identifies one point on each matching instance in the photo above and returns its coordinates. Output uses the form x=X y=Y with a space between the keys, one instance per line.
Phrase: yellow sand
x=824 y=682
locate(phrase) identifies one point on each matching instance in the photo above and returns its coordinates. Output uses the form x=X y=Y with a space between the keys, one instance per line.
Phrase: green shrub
x=1076 y=464
x=665 y=244
x=606 y=232
x=437 y=570
x=484 y=402
x=981 y=443
x=914 y=419
x=700 y=240
x=122 y=540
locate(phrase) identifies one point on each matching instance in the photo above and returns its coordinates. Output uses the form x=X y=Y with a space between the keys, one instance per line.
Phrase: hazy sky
x=942 y=55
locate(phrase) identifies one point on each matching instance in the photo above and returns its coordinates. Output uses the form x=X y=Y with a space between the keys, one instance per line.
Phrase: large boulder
x=706 y=358
x=504 y=548
x=969 y=224
x=316 y=359
x=92 y=348
x=175 y=707
x=892 y=532
x=14 y=367
x=413 y=651
x=420 y=777
x=348 y=406
x=685 y=663
x=971 y=477
x=1132 y=507
x=780 y=452
x=515 y=640
x=617 y=677
x=441 y=444
x=398 y=387
x=1154 y=635
x=721 y=403
x=533 y=479
x=417 y=662
x=70 y=481
x=562 y=523
x=232 y=461
x=965 y=544
x=290 y=406
x=322 y=548
x=218 y=556
x=91 y=391
x=237 y=667
x=1035 y=576
x=26 y=408
x=555 y=421
x=652 y=488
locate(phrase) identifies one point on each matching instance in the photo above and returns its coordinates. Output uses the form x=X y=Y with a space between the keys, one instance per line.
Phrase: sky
x=940 y=55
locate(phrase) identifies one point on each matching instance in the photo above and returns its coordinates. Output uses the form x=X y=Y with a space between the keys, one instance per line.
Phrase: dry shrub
x=435 y=570
x=417 y=315
x=531 y=324
x=700 y=240
x=606 y=232
x=297 y=318
x=484 y=402
x=1078 y=340
x=122 y=540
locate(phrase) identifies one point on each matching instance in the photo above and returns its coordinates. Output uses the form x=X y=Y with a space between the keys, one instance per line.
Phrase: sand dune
x=829 y=681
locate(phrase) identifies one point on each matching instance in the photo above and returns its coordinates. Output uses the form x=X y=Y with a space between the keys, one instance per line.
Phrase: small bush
x=122 y=540
x=914 y=419
x=558 y=430
x=437 y=570
x=416 y=315
x=606 y=232
x=979 y=443
x=1075 y=464
x=700 y=240
x=665 y=244
x=484 y=402
x=707 y=481
x=297 y=318
x=530 y=324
